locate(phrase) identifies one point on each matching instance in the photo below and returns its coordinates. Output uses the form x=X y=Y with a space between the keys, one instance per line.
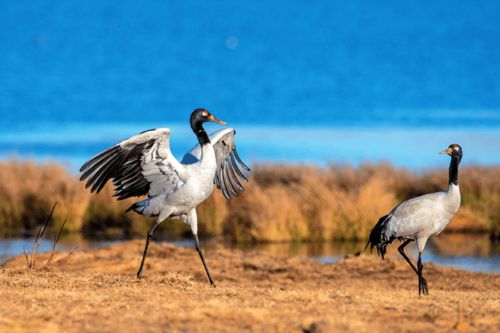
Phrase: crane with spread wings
x=144 y=165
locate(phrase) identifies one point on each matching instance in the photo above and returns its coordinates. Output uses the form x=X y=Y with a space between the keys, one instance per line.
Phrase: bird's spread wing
x=138 y=166
x=231 y=170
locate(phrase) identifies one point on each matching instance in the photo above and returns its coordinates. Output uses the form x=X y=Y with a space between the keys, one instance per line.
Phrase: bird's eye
x=205 y=113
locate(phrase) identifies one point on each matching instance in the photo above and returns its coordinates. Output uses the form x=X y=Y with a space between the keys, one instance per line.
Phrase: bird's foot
x=422 y=286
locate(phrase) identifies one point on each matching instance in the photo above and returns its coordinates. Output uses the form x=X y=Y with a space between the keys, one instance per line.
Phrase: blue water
x=483 y=257
x=416 y=148
x=18 y=246
x=320 y=82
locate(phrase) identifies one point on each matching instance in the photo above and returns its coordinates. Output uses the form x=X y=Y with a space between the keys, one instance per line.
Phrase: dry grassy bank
x=282 y=202
x=96 y=290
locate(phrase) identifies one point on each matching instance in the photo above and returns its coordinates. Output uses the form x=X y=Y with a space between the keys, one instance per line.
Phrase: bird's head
x=454 y=150
x=200 y=116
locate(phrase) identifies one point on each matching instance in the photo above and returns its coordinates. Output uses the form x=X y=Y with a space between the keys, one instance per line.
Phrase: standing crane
x=419 y=219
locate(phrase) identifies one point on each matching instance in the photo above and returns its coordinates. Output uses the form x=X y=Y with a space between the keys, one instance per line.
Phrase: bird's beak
x=218 y=121
x=446 y=151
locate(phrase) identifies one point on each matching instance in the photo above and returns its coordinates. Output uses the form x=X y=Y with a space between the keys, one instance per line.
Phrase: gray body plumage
x=423 y=217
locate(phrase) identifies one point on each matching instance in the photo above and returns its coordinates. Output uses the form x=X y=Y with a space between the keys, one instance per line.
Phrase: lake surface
x=330 y=62
x=470 y=252
x=415 y=148
x=323 y=82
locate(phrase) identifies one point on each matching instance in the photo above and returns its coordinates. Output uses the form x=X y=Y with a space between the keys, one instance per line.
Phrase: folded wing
x=137 y=166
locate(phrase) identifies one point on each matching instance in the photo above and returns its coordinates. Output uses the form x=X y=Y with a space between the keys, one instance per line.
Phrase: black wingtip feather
x=237 y=169
x=233 y=177
x=103 y=174
x=96 y=159
x=223 y=185
x=239 y=159
x=100 y=170
x=227 y=181
x=122 y=166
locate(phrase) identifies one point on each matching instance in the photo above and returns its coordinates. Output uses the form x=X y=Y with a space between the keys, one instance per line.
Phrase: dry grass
x=341 y=202
x=28 y=191
x=96 y=290
x=282 y=202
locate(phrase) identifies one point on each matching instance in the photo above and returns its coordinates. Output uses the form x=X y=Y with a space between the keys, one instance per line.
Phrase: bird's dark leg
x=198 y=248
x=401 y=250
x=192 y=220
x=422 y=283
x=148 y=239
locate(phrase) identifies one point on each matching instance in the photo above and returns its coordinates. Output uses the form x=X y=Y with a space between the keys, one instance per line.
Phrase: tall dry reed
x=281 y=203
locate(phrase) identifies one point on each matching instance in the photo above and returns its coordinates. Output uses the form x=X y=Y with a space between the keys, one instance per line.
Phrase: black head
x=454 y=150
x=200 y=116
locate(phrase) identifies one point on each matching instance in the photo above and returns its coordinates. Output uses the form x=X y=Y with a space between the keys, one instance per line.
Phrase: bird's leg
x=401 y=250
x=148 y=239
x=422 y=283
x=198 y=248
x=192 y=220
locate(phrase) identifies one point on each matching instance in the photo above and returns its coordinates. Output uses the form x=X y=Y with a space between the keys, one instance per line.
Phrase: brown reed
x=281 y=203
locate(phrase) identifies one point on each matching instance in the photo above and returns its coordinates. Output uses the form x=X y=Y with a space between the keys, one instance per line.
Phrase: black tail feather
x=377 y=237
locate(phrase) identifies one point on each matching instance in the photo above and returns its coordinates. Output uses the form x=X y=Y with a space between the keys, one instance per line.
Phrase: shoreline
x=480 y=254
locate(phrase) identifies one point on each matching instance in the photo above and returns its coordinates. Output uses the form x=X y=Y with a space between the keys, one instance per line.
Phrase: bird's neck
x=453 y=170
x=200 y=133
